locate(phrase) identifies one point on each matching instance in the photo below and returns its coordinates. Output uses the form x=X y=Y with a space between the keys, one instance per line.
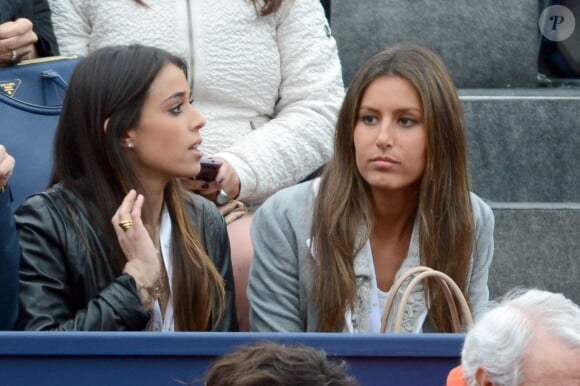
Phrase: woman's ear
x=128 y=140
x=481 y=378
x=106 y=125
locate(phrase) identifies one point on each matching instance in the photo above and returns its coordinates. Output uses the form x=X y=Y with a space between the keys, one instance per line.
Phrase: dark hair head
x=444 y=206
x=273 y=364
x=104 y=100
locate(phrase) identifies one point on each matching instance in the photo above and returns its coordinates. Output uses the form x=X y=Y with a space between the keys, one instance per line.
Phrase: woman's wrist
x=149 y=294
x=148 y=286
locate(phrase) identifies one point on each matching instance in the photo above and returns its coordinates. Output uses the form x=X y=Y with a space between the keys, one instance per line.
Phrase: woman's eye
x=176 y=110
x=369 y=119
x=191 y=100
x=407 y=121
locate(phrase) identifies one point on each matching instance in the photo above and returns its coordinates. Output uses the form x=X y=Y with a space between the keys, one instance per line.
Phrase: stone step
x=484 y=43
x=524 y=144
x=536 y=245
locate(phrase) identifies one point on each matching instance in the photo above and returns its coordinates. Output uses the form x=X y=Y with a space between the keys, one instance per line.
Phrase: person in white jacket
x=266 y=75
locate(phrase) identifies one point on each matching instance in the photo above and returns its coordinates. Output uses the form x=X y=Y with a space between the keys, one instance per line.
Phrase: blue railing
x=28 y=358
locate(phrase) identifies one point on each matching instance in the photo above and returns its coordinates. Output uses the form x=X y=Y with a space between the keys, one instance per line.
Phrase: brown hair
x=101 y=174
x=446 y=230
x=263 y=7
x=266 y=7
x=273 y=364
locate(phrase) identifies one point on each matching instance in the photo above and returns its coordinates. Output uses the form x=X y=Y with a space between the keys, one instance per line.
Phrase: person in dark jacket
x=115 y=243
x=25 y=31
x=9 y=253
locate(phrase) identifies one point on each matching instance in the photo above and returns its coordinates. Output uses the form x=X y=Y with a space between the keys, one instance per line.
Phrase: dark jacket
x=9 y=256
x=63 y=288
x=38 y=12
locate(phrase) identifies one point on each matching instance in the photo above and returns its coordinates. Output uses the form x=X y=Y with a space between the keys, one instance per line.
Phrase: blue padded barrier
x=73 y=358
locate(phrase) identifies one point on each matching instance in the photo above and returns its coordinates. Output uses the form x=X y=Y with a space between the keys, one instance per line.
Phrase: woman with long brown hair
x=266 y=75
x=115 y=243
x=395 y=195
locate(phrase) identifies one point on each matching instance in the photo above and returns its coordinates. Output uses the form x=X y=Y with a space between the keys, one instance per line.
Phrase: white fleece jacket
x=270 y=87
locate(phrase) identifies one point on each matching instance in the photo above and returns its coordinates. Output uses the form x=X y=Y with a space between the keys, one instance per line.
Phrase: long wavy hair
x=263 y=7
x=112 y=84
x=446 y=229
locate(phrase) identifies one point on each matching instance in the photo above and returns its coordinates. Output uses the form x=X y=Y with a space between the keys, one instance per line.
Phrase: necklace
x=163 y=279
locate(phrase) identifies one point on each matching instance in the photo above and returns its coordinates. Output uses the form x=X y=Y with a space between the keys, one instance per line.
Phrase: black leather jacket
x=63 y=288
x=38 y=12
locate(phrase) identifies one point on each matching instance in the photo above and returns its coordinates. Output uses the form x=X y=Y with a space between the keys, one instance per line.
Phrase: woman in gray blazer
x=395 y=195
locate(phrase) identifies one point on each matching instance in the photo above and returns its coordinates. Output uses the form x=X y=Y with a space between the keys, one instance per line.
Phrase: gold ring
x=126 y=224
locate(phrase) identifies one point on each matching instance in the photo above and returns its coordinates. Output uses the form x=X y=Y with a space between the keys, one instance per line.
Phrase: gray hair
x=498 y=341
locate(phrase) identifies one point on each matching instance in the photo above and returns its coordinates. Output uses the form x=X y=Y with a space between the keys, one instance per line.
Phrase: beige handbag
x=413 y=277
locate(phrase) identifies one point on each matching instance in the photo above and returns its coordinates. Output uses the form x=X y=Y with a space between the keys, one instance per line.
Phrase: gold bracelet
x=149 y=294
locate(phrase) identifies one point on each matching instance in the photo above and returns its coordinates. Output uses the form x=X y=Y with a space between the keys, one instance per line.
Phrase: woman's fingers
x=228 y=179
x=233 y=216
x=17 y=41
x=136 y=210
x=123 y=213
x=15 y=28
x=233 y=210
x=200 y=186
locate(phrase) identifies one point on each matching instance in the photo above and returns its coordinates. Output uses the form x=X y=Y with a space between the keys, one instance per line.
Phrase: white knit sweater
x=270 y=87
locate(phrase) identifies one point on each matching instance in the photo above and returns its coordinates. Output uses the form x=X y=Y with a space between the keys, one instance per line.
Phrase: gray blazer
x=281 y=273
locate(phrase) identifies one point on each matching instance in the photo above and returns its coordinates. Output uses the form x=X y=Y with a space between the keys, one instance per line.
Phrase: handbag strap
x=394 y=291
x=50 y=75
x=451 y=304
x=455 y=319
x=55 y=76
x=28 y=107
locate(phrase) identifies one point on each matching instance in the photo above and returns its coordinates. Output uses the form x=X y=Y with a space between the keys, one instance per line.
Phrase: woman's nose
x=384 y=136
x=198 y=120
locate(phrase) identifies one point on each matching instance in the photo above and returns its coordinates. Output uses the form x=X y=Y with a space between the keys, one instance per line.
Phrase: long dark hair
x=111 y=85
x=446 y=229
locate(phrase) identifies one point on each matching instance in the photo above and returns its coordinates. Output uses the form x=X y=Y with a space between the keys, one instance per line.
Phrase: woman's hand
x=142 y=261
x=227 y=180
x=6 y=167
x=233 y=210
x=17 y=41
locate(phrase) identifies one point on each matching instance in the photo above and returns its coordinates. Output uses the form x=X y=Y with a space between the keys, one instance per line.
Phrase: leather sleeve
x=212 y=227
x=59 y=287
x=9 y=257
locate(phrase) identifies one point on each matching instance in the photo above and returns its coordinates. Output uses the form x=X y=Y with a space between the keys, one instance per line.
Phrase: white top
x=158 y=322
x=270 y=87
x=378 y=301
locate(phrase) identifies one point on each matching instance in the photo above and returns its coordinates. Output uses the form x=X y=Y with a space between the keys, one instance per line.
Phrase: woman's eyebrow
x=179 y=94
